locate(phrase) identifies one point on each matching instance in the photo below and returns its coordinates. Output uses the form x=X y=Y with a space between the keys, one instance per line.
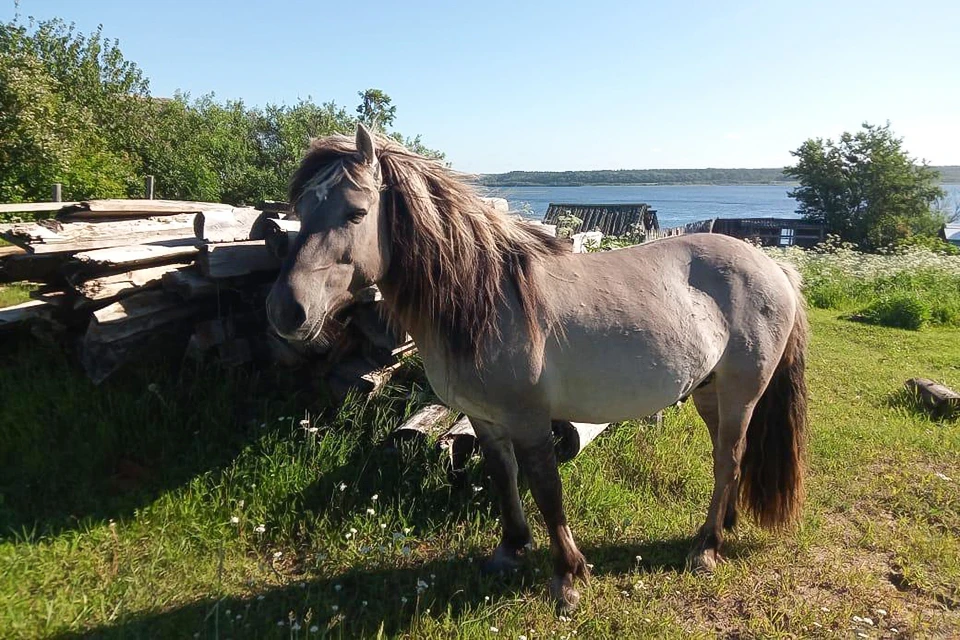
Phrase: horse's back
x=640 y=327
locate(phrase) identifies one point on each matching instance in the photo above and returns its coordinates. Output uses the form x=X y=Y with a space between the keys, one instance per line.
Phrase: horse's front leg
x=500 y=463
x=539 y=464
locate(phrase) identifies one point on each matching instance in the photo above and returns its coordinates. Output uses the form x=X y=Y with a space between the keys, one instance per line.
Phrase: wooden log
x=226 y=225
x=51 y=236
x=233 y=259
x=121 y=283
x=573 y=437
x=358 y=375
x=279 y=235
x=189 y=284
x=429 y=422
x=133 y=208
x=274 y=206
x=140 y=313
x=939 y=400
x=458 y=445
x=21 y=314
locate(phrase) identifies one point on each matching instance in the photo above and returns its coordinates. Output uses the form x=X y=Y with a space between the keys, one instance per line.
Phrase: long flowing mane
x=454 y=258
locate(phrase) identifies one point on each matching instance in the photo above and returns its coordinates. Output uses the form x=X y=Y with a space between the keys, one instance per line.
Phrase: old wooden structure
x=772 y=232
x=609 y=219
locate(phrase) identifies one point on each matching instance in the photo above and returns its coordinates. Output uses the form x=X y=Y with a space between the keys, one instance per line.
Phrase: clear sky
x=592 y=84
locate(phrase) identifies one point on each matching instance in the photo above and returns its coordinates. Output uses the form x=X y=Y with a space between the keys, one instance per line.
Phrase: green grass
x=116 y=506
x=11 y=294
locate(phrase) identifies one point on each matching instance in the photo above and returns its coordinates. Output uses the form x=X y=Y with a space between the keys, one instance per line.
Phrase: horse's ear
x=365 y=144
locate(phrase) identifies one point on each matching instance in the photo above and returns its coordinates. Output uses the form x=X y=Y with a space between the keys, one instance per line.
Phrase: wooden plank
x=137 y=255
x=48 y=236
x=228 y=225
x=189 y=284
x=940 y=400
x=122 y=283
x=90 y=209
x=34 y=207
x=233 y=259
x=18 y=315
x=140 y=313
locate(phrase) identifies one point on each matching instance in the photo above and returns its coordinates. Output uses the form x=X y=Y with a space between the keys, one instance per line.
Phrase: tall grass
x=910 y=288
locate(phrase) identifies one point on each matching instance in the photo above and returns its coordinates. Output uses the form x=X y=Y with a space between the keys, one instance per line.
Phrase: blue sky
x=558 y=86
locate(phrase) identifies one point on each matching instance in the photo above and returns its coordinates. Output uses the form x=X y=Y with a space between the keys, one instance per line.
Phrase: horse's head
x=342 y=245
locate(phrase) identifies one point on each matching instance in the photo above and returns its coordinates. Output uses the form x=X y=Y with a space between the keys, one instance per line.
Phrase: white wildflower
x=375 y=497
x=260 y=528
x=335 y=608
x=314 y=628
x=494 y=630
x=371 y=511
x=343 y=486
x=234 y=520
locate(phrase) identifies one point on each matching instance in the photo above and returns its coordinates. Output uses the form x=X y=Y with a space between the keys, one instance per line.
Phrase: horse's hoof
x=563 y=592
x=503 y=561
x=704 y=562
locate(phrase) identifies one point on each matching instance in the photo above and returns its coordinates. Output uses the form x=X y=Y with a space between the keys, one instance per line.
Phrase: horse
x=516 y=331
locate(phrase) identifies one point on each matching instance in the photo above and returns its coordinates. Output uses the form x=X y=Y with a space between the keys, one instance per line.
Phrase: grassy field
x=216 y=503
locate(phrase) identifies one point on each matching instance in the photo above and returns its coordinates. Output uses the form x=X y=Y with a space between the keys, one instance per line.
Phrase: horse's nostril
x=286 y=314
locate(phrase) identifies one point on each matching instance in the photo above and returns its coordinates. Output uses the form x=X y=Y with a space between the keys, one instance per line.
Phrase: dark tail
x=771 y=483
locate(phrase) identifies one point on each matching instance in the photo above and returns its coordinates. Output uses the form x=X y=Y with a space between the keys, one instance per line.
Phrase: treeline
x=74 y=111
x=948 y=175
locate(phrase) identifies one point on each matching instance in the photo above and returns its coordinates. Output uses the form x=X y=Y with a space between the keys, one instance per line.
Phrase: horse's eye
x=357 y=215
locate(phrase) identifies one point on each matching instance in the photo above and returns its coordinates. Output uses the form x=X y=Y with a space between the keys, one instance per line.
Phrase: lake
x=675 y=204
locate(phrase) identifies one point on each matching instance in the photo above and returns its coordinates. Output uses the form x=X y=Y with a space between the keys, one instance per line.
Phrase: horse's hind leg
x=501 y=465
x=733 y=411
x=539 y=464
x=705 y=399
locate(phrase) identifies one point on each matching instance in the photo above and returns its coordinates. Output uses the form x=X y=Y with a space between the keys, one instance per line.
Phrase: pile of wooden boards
x=117 y=276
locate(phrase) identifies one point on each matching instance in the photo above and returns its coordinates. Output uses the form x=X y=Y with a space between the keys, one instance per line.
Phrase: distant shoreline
x=641 y=184
x=949 y=175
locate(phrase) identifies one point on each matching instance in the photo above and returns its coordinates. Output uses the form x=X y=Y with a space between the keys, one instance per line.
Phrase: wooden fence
x=609 y=219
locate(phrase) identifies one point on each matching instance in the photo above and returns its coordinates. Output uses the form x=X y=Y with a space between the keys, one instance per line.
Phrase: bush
x=902 y=310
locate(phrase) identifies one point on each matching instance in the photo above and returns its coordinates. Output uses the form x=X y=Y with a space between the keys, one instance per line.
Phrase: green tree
x=376 y=109
x=865 y=188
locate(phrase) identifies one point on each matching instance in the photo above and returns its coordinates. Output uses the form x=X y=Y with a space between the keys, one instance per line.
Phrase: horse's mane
x=453 y=256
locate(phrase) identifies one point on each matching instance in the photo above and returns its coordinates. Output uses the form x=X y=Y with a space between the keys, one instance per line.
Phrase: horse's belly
x=626 y=375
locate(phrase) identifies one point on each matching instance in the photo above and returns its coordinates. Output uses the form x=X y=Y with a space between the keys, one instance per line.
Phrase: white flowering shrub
x=905 y=288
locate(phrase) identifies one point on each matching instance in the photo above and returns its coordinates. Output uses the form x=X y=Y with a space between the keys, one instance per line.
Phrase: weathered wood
x=368 y=319
x=233 y=259
x=30 y=267
x=227 y=225
x=279 y=235
x=34 y=207
x=132 y=256
x=140 y=313
x=148 y=184
x=274 y=206
x=56 y=193
x=189 y=284
x=430 y=422
x=121 y=283
x=11 y=250
x=459 y=444
x=49 y=236
x=21 y=314
x=939 y=399
x=360 y=375
x=133 y=208
x=573 y=437
x=258 y=230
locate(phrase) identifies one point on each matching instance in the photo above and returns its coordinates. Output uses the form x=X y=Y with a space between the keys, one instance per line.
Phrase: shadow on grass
x=366 y=602
x=75 y=453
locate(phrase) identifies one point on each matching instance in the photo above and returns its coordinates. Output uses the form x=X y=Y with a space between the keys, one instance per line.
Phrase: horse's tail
x=771 y=485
